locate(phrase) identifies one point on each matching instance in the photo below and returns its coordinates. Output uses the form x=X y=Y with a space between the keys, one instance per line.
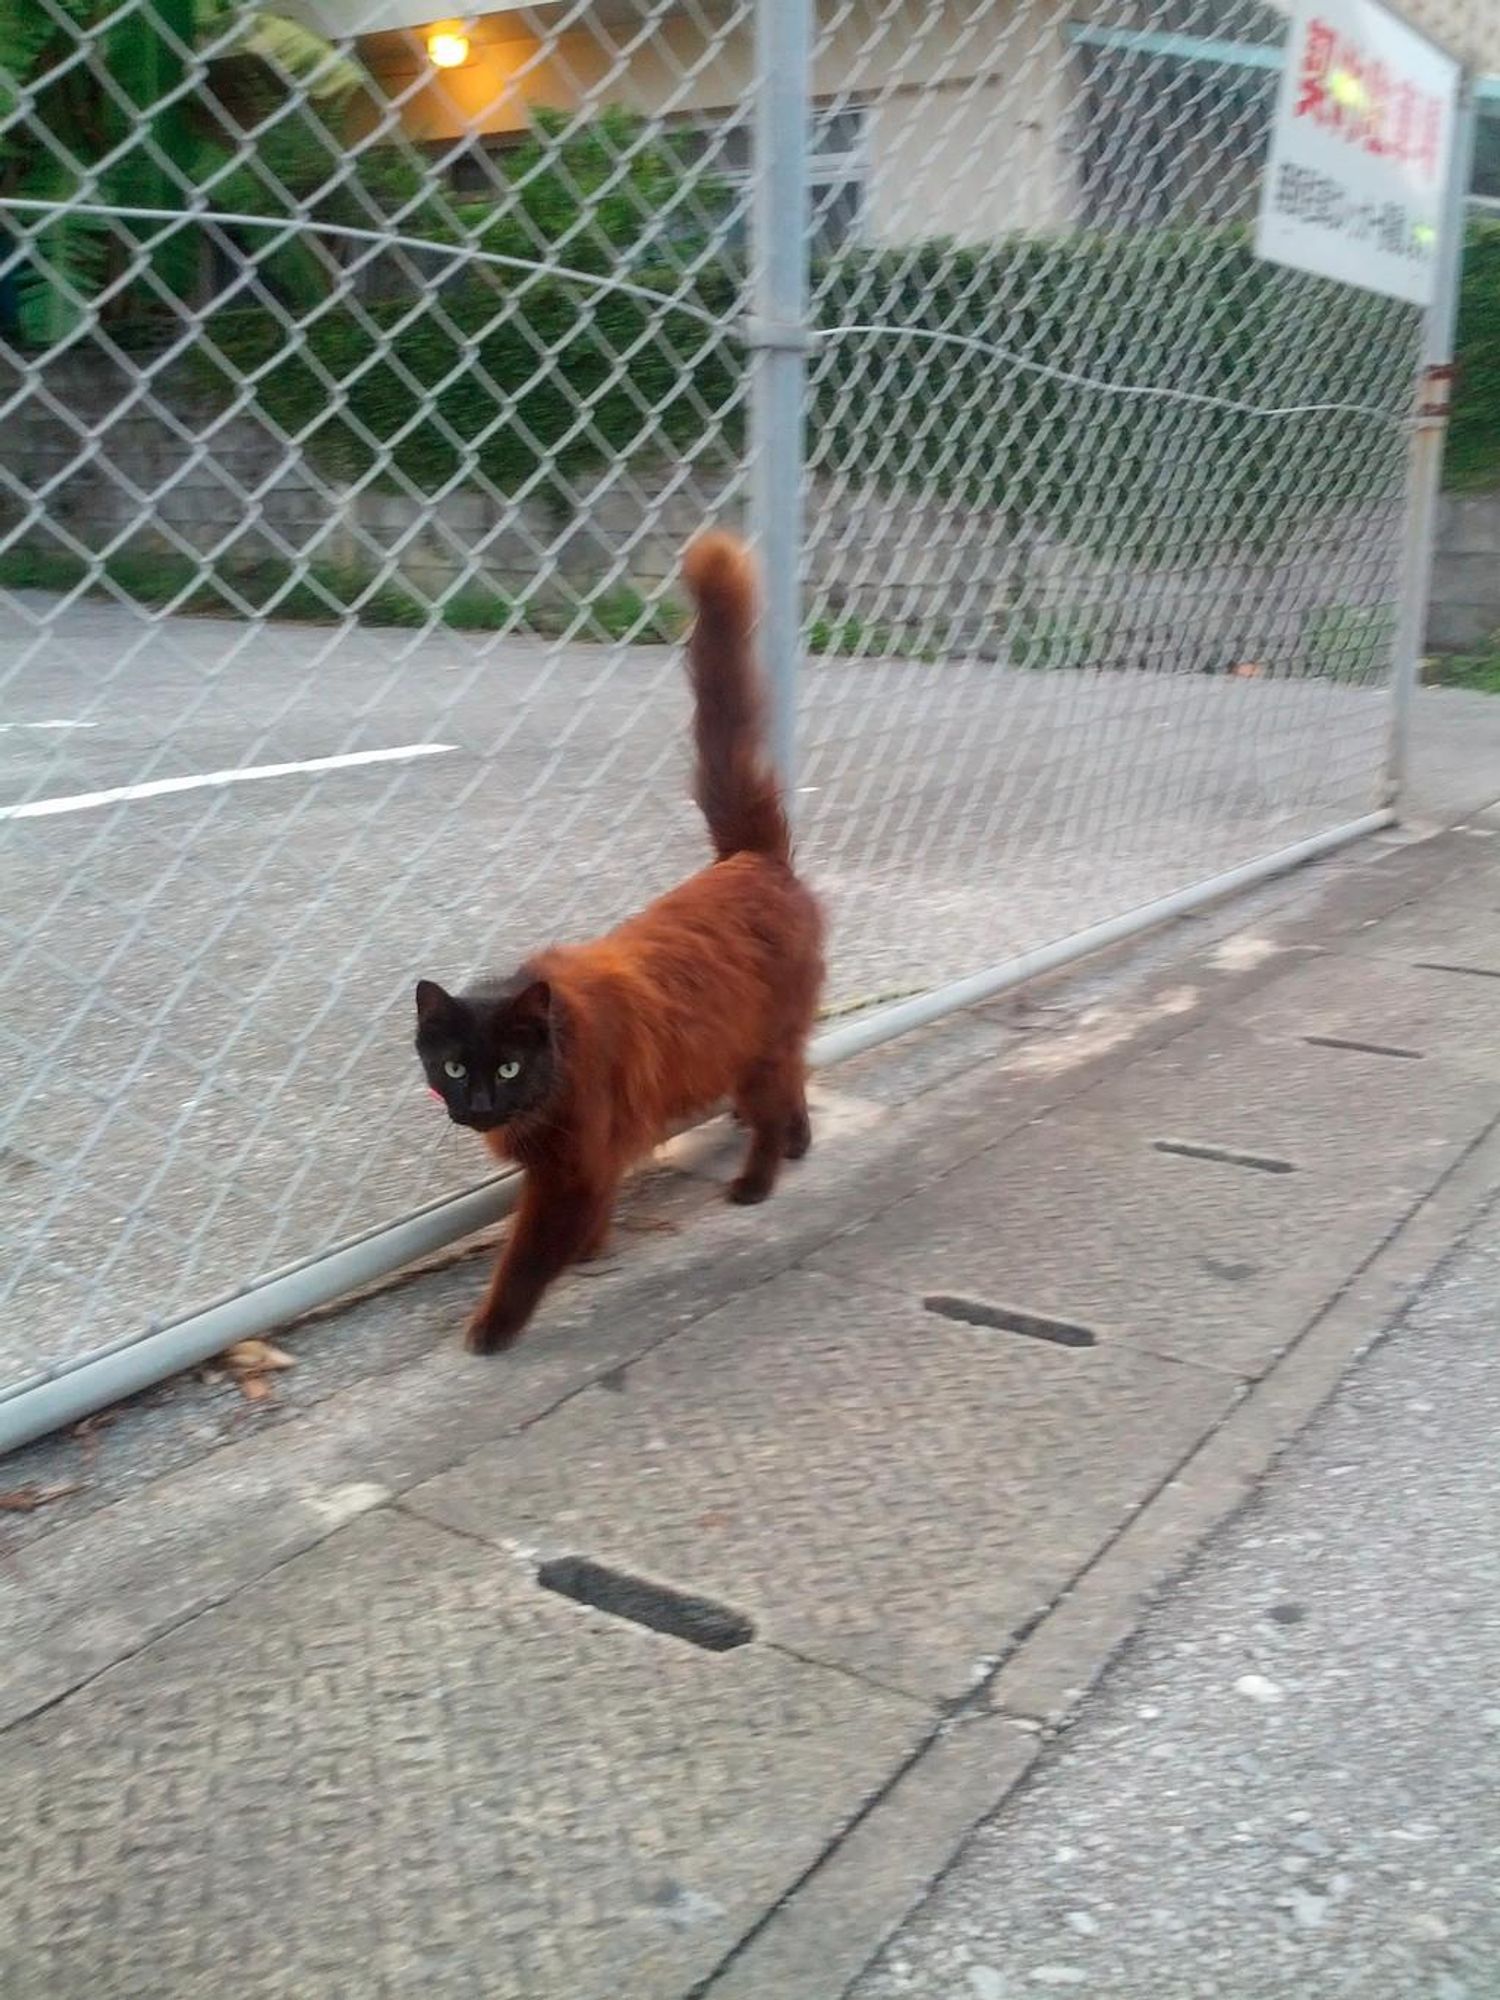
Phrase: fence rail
x=359 y=391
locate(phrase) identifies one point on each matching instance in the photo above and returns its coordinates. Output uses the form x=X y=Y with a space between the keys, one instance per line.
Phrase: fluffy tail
x=735 y=785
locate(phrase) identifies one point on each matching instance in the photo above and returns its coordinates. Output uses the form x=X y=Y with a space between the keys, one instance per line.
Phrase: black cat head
x=491 y=1053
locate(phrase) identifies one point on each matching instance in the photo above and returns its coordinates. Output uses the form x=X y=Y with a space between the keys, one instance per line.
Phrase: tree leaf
x=255 y=1357
x=26 y=1499
x=297 y=54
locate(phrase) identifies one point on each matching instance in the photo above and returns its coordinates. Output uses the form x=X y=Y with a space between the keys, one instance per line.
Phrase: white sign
x=1359 y=154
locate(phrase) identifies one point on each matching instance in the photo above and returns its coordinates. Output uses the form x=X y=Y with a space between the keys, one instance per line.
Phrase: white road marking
x=48 y=725
x=156 y=787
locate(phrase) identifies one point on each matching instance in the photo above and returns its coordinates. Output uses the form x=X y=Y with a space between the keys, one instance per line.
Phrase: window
x=1164 y=134
x=838 y=168
x=1486 y=181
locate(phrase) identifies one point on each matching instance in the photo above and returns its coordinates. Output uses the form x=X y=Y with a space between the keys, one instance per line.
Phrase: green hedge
x=486 y=385
x=1185 y=310
x=546 y=376
x=1473 y=454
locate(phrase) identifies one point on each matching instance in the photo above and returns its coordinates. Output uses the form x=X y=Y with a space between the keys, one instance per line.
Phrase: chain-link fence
x=362 y=378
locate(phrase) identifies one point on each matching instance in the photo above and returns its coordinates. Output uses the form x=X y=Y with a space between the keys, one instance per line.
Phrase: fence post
x=1429 y=429
x=778 y=344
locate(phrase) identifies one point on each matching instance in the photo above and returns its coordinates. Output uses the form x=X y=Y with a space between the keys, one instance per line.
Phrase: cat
x=580 y=1062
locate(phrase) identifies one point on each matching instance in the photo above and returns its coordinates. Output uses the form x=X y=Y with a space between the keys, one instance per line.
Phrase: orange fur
x=710 y=992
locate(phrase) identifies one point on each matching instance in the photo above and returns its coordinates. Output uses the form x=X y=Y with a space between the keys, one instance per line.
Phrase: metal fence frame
x=779 y=339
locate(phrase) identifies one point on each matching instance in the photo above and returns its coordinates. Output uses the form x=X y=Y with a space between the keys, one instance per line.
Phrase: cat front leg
x=556 y=1223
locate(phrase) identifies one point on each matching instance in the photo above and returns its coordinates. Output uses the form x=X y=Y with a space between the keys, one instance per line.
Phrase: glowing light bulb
x=447 y=48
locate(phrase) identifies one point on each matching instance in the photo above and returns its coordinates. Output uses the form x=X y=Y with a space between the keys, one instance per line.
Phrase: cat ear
x=533 y=1004
x=432 y=1002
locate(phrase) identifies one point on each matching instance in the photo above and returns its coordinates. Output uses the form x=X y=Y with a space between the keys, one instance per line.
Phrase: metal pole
x=32 y=1409
x=1425 y=460
x=778 y=341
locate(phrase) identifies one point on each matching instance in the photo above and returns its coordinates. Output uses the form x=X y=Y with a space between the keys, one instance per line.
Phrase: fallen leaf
x=89 y=1432
x=255 y=1357
x=254 y=1388
x=26 y=1499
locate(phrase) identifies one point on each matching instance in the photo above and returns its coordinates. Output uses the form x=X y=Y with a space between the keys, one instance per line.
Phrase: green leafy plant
x=1480 y=672
x=602 y=194
x=318 y=593
x=97 y=114
x=523 y=386
x=1070 y=638
x=525 y=392
x=620 y=612
x=1348 y=642
x=853 y=637
x=1472 y=455
x=998 y=404
x=322 y=593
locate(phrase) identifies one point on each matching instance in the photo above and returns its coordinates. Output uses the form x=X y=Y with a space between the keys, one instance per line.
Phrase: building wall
x=1470 y=28
x=1465 y=613
x=965 y=105
x=957 y=160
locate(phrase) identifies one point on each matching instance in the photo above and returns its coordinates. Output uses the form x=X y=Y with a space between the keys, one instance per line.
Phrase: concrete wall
x=174 y=475
x=1465 y=614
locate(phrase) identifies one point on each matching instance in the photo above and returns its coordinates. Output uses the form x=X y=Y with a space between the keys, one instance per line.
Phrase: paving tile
x=1215 y=1260
x=1449 y=933
x=1451 y=1015
x=398 y=1768
x=1335 y=1110
x=877 y=1487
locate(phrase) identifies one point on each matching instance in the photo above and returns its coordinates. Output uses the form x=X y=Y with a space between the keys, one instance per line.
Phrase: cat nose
x=481 y=1102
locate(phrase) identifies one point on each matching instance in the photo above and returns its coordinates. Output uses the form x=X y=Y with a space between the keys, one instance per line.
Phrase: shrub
x=1479 y=672
x=1189 y=310
x=1348 y=642
x=321 y=593
x=1472 y=458
x=526 y=386
x=516 y=388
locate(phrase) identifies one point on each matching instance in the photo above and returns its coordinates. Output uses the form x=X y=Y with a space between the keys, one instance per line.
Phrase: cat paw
x=748 y=1190
x=491 y=1333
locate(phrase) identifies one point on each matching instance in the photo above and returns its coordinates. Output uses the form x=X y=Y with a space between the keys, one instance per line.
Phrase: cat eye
x=454 y=1069
x=507 y=1070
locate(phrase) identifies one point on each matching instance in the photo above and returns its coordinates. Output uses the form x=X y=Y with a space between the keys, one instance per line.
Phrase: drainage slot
x=1471 y=971
x=974 y=1312
x=699 y=1620
x=1361 y=1048
x=1261 y=1163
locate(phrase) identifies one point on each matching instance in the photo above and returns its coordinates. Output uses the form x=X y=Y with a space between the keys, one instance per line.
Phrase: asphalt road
x=206 y=1064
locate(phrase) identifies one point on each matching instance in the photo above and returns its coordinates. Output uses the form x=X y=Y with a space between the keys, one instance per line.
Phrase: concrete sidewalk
x=1291 y=1784
x=678 y=1652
